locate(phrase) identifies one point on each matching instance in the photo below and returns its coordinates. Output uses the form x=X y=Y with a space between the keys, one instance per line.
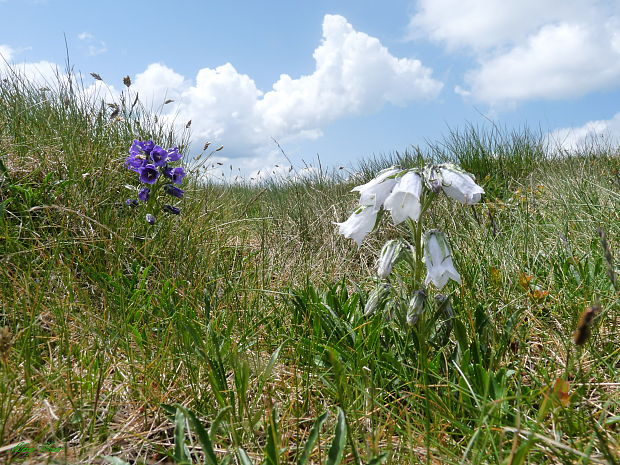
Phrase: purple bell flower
x=159 y=156
x=173 y=154
x=177 y=175
x=150 y=219
x=167 y=171
x=144 y=194
x=148 y=174
x=172 y=209
x=131 y=203
x=174 y=191
x=135 y=162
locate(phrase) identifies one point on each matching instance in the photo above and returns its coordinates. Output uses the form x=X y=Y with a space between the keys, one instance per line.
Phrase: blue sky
x=341 y=79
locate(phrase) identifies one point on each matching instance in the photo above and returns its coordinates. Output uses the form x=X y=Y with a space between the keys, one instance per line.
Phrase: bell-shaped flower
x=375 y=191
x=148 y=174
x=390 y=254
x=144 y=194
x=460 y=185
x=404 y=201
x=359 y=224
x=438 y=259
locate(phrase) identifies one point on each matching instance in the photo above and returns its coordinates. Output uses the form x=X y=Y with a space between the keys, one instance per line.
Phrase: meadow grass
x=224 y=334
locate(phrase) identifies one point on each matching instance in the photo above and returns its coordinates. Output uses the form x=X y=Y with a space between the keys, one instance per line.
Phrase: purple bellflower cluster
x=152 y=163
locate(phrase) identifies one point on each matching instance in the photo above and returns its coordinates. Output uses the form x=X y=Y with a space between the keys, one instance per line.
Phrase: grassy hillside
x=246 y=310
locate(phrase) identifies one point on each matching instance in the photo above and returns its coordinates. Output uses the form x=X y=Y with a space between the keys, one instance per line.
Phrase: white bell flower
x=460 y=185
x=404 y=201
x=438 y=259
x=375 y=191
x=359 y=224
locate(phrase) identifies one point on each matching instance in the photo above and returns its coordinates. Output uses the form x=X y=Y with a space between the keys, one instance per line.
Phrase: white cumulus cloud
x=354 y=74
x=527 y=49
x=591 y=133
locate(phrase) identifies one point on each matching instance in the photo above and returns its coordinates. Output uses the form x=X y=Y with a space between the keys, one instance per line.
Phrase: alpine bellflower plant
x=153 y=165
x=407 y=194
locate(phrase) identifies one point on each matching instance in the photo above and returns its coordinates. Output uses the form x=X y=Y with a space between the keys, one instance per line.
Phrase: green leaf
x=218 y=420
x=314 y=434
x=203 y=437
x=461 y=335
x=273 y=441
x=243 y=457
x=340 y=439
x=378 y=460
x=179 y=437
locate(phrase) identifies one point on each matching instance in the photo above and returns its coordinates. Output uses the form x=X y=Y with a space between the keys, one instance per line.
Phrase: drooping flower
x=438 y=259
x=148 y=174
x=135 y=162
x=131 y=202
x=144 y=194
x=177 y=175
x=359 y=224
x=404 y=201
x=173 y=154
x=167 y=171
x=159 y=156
x=172 y=209
x=174 y=191
x=375 y=191
x=460 y=185
x=150 y=219
x=390 y=253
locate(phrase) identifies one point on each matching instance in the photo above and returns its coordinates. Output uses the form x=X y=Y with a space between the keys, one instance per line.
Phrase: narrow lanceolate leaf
x=340 y=439
x=273 y=441
x=243 y=457
x=179 y=437
x=314 y=434
x=203 y=437
x=215 y=425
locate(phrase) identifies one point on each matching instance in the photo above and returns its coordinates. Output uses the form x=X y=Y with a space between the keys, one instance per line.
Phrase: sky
x=337 y=80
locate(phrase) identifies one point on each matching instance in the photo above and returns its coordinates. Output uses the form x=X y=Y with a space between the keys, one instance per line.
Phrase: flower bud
x=376 y=298
x=390 y=253
x=416 y=306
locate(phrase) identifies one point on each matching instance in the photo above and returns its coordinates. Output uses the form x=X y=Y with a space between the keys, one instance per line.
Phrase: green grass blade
x=314 y=434
x=340 y=439
x=273 y=441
